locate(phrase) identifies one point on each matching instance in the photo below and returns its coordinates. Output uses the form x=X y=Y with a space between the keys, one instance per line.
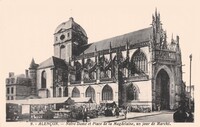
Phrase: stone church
x=136 y=68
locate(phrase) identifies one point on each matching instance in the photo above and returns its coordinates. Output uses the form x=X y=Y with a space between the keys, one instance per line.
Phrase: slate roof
x=52 y=62
x=70 y=24
x=20 y=79
x=33 y=65
x=132 y=37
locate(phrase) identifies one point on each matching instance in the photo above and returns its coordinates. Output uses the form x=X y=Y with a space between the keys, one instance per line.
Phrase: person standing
x=180 y=115
x=190 y=117
x=158 y=106
x=117 y=112
x=85 y=111
x=125 y=112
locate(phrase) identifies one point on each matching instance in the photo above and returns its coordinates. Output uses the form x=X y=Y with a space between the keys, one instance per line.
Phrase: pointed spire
x=153 y=18
x=156 y=12
x=110 y=46
x=127 y=49
x=110 y=51
x=95 y=48
x=103 y=53
x=33 y=65
x=172 y=39
x=127 y=45
x=32 y=61
x=95 y=54
x=177 y=40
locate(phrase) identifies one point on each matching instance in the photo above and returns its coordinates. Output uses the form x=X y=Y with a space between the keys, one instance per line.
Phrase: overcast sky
x=27 y=27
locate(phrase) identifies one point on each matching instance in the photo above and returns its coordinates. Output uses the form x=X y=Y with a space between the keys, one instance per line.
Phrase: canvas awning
x=82 y=100
x=66 y=100
x=19 y=102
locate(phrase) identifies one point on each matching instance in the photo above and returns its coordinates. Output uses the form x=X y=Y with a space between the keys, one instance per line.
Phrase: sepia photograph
x=99 y=63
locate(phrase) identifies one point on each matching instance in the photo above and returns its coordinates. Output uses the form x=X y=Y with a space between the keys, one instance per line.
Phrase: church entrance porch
x=162 y=98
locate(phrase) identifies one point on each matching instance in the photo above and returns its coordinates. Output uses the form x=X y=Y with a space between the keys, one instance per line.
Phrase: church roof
x=70 y=24
x=52 y=62
x=132 y=38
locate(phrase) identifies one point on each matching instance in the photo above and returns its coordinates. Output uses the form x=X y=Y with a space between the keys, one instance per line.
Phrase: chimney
x=26 y=73
x=11 y=74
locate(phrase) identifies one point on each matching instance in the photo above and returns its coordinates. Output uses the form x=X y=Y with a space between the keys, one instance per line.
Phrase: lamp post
x=190 y=81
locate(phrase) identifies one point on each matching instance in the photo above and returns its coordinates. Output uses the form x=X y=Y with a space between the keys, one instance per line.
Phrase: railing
x=75 y=82
x=90 y=81
x=105 y=79
x=137 y=78
x=165 y=55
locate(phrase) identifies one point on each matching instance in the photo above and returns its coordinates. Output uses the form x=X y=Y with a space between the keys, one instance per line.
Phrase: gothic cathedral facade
x=137 y=68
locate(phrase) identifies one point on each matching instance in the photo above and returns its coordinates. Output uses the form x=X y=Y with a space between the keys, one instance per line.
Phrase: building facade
x=137 y=68
x=188 y=92
x=17 y=87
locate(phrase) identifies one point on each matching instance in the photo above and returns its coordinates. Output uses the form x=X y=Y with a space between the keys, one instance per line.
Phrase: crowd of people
x=107 y=111
x=182 y=114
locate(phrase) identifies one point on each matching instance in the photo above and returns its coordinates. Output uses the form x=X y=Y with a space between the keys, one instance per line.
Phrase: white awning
x=67 y=100
x=82 y=100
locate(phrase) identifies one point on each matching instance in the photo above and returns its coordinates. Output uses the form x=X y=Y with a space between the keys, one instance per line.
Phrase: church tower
x=33 y=76
x=68 y=38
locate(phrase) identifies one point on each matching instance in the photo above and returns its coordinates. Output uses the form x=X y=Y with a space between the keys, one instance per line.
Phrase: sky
x=27 y=27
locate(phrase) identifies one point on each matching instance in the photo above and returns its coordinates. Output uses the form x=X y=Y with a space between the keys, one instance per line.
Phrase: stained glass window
x=90 y=92
x=75 y=92
x=107 y=93
x=43 y=80
x=139 y=61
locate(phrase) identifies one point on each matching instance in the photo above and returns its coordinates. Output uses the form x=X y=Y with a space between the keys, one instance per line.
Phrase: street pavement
x=164 y=116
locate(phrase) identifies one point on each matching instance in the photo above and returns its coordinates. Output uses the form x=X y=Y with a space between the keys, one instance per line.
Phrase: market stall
x=44 y=107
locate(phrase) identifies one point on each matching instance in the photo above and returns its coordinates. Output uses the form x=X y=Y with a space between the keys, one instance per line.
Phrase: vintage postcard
x=99 y=63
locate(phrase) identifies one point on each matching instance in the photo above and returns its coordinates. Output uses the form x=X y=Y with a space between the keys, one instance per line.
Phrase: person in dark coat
x=85 y=112
x=125 y=112
x=180 y=115
x=190 y=117
x=117 y=111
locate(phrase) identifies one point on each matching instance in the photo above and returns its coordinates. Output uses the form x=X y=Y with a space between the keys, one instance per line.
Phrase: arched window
x=75 y=92
x=107 y=93
x=62 y=52
x=132 y=92
x=43 y=79
x=65 y=92
x=90 y=92
x=59 y=92
x=139 y=62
